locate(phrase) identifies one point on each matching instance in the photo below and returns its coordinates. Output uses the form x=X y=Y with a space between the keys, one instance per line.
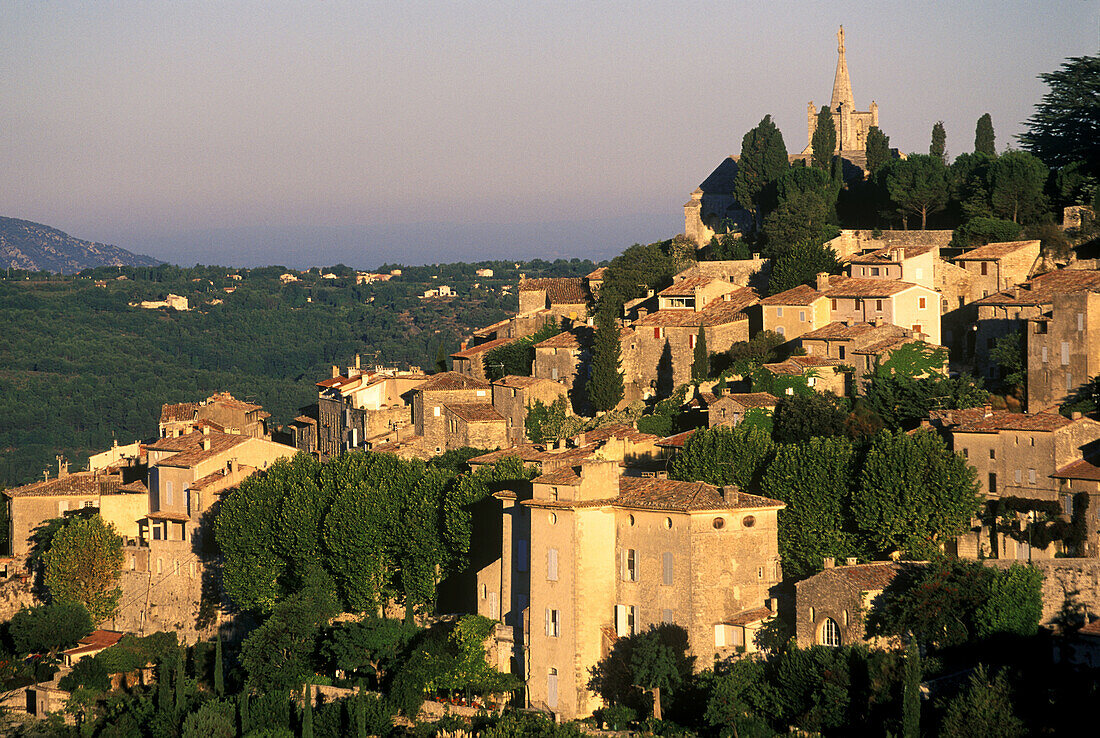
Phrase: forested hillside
x=80 y=366
x=27 y=245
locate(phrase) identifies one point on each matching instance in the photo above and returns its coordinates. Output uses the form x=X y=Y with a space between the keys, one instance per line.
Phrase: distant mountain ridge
x=37 y=247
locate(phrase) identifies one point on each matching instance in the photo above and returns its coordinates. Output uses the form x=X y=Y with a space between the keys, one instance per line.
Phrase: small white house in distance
x=484 y=272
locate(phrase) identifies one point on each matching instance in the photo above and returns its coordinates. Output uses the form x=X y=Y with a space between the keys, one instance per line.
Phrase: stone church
x=713 y=209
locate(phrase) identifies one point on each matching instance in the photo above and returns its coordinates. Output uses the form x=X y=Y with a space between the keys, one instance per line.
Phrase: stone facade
x=440 y=390
x=513 y=396
x=830 y=606
x=851 y=126
x=1063 y=349
x=474 y=424
x=998 y=266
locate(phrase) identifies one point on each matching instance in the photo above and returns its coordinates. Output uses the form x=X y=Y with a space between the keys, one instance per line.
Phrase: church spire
x=842 y=86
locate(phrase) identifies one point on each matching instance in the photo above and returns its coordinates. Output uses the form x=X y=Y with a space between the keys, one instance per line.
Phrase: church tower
x=851 y=125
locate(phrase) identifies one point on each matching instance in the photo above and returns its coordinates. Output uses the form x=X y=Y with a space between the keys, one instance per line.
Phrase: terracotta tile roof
x=703 y=399
x=857 y=287
x=995 y=251
x=748 y=617
x=77 y=483
x=727 y=309
x=135 y=487
x=668 y=494
x=216 y=478
x=1092 y=629
x=837 y=330
x=752 y=399
x=181 y=411
x=887 y=254
x=975 y=420
x=880 y=347
x=227 y=400
x=797 y=365
x=800 y=295
x=492 y=328
x=559 y=290
x=97 y=640
x=617 y=430
x=526 y=452
x=686 y=287
x=1086 y=469
x=449 y=381
x=676 y=440
x=481 y=348
x=190 y=450
x=567 y=476
x=1042 y=289
x=597 y=274
x=340 y=382
x=520 y=382
x=868 y=577
x=475 y=412
x=179 y=517
x=305 y=420
x=565 y=339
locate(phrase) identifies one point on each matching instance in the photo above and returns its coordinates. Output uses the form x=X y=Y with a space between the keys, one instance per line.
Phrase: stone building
x=30 y=505
x=712 y=208
x=730 y=409
x=564 y=297
x=863 y=346
x=795 y=311
x=1015 y=455
x=474 y=424
x=851 y=125
x=916 y=265
x=470 y=361
x=513 y=396
x=588 y=556
x=738 y=272
x=821 y=374
x=560 y=358
x=998 y=266
x=430 y=397
x=830 y=606
x=220 y=409
x=1063 y=348
x=1082 y=477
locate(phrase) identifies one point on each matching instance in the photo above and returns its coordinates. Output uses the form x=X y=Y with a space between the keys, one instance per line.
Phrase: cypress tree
x=823 y=142
x=246 y=713
x=307 y=714
x=180 y=677
x=878 y=149
x=605 y=385
x=910 y=704
x=440 y=358
x=938 y=148
x=699 y=366
x=219 y=669
x=164 y=693
x=763 y=159
x=361 y=712
x=984 y=140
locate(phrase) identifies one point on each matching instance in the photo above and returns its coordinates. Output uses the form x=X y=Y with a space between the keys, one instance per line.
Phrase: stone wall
x=1073 y=580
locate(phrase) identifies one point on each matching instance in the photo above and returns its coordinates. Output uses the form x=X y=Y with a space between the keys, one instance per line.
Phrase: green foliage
x=530 y=724
x=801 y=265
x=917 y=185
x=1009 y=353
x=902 y=402
x=1063 y=129
x=949 y=602
x=763 y=159
x=729 y=247
x=1017 y=179
x=799 y=417
x=878 y=149
x=763 y=348
x=215 y=719
x=83 y=565
x=219 y=668
x=137 y=652
x=1086 y=399
x=279 y=654
x=984 y=710
x=605 y=385
x=984 y=138
x=801 y=218
x=910 y=704
x=722 y=456
x=639 y=268
x=938 y=147
x=548 y=423
x=970 y=182
x=515 y=358
x=980 y=231
x=823 y=141
x=615 y=717
x=814 y=479
x=49 y=627
x=371 y=646
x=88 y=673
x=700 y=364
x=914 y=360
x=654 y=658
x=913 y=494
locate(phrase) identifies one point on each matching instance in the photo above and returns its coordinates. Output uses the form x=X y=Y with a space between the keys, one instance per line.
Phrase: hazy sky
x=319 y=132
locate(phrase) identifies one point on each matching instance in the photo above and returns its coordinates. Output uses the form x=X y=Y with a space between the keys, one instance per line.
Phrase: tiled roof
x=1042 y=289
x=97 y=640
x=676 y=440
x=475 y=412
x=215 y=479
x=567 y=475
x=1092 y=629
x=995 y=251
x=181 y=411
x=837 y=331
x=179 y=517
x=1086 y=469
x=703 y=399
x=559 y=290
x=77 y=483
x=135 y=487
x=227 y=400
x=190 y=450
x=797 y=365
x=597 y=274
x=975 y=420
x=686 y=287
x=878 y=348
x=868 y=577
x=727 y=309
x=520 y=382
x=800 y=295
x=668 y=494
x=617 y=430
x=565 y=339
x=887 y=254
x=525 y=452
x=748 y=617
x=481 y=348
x=492 y=328
x=856 y=287
x=752 y=399
x=448 y=381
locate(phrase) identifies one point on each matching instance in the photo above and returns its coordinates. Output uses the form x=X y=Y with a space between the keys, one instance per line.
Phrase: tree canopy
x=49 y=627
x=605 y=385
x=917 y=185
x=938 y=147
x=83 y=564
x=823 y=141
x=984 y=138
x=763 y=159
x=1065 y=127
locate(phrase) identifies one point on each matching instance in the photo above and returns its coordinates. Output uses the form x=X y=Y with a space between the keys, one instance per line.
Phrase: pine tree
x=219 y=668
x=878 y=149
x=938 y=148
x=699 y=365
x=984 y=140
x=605 y=385
x=823 y=142
x=307 y=714
x=910 y=705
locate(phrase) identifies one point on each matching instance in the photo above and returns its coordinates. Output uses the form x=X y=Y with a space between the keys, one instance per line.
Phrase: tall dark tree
x=219 y=668
x=938 y=148
x=910 y=700
x=984 y=138
x=878 y=149
x=605 y=385
x=700 y=361
x=1066 y=125
x=918 y=185
x=823 y=141
x=307 y=712
x=1017 y=180
x=666 y=382
x=763 y=160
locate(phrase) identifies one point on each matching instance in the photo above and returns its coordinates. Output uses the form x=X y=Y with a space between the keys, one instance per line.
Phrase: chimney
x=580 y=438
x=205 y=444
x=851 y=561
x=649 y=293
x=45 y=475
x=1016 y=291
x=773 y=604
x=728 y=493
x=1075 y=415
x=988 y=410
x=335 y=371
x=357 y=362
x=206 y=430
x=899 y=254
x=756 y=257
x=829 y=562
x=822 y=281
x=462 y=346
x=233 y=466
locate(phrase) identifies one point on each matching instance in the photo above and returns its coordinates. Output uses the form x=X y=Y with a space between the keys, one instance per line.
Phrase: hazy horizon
x=282 y=133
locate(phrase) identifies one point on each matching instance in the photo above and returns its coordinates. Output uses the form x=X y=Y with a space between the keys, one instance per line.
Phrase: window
x=840 y=351
x=552 y=688
x=1080 y=321
x=1044 y=354
x=668 y=523
x=554 y=373
x=666 y=616
x=481 y=393
x=553 y=623
x=1069 y=381
x=918 y=273
x=966 y=453
x=435 y=412
x=483 y=591
x=89 y=503
x=167 y=493
x=813 y=615
x=858 y=303
x=917 y=328
x=922 y=303
x=874 y=271
x=624 y=620
x=196 y=500
x=629 y=565
x=878 y=306
x=656 y=331
x=553 y=518
x=1031 y=476
x=666 y=568
x=984 y=268
x=830 y=633
x=780 y=330
x=521 y=555
x=1065 y=353
x=160 y=566
x=1067 y=505
x=1019 y=476
x=992 y=453
x=552 y=565
x=834 y=303
x=691 y=340
x=992 y=484
x=779 y=312
x=802 y=316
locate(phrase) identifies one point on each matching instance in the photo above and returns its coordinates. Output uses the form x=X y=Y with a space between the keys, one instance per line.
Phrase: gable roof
x=180 y=411
x=475 y=412
x=617 y=430
x=190 y=450
x=803 y=294
x=76 y=483
x=565 y=339
x=869 y=577
x=1041 y=289
x=669 y=494
x=841 y=286
x=481 y=348
x=839 y=331
x=727 y=309
x=751 y=399
x=983 y=420
x=449 y=381
x=995 y=251
x=559 y=290
x=686 y=287
x=1085 y=469
x=888 y=254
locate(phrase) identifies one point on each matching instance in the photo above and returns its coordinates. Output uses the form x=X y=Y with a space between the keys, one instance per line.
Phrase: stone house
x=661 y=348
x=712 y=208
x=863 y=346
x=737 y=272
x=564 y=297
x=791 y=313
x=439 y=390
x=470 y=361
x=821 y=374
x=830 y=606
x=513 y=396
x=998 y=266
x=30 y=505
x=1015 y=455
x=1082 y=476
x=475 y=424
x=915 y=264
x=859 y=300
x=588 y=556
x=220 y=409
x=1063 y=348
x=561 y=357
x=729 y=409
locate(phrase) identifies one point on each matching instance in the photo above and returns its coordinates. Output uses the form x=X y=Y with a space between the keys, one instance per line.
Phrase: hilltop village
x=770 y=475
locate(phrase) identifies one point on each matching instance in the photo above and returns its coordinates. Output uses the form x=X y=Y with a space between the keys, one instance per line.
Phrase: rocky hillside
x=35 y=247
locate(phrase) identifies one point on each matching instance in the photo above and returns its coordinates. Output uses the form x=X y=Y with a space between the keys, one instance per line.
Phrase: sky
x=322 y=132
